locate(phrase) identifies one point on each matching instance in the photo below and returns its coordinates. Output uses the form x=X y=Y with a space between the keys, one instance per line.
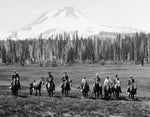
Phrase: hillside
x=67 y=20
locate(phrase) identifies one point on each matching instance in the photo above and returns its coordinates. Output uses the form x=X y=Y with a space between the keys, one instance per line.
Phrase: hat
x=96 y=74
x=130 y=76
x=49 y=72
x=107 y=76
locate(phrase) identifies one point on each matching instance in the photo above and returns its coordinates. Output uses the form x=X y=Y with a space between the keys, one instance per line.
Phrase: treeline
x=67 y=49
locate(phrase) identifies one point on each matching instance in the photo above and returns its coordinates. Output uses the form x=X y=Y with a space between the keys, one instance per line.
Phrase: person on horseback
x=65 y=76
x=50 y=76
x=84 y=87
x=83 y=80
x=132 y=83
x=117 y=83
x=107 y=87
x=98 y=78
x=66 y=84
x=97 y=86
x=15 y=83
x=15 y=77
x=106 y=81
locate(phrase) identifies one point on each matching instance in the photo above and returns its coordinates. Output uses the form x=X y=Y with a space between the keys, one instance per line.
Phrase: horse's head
x=43 y=81
x=70 y=82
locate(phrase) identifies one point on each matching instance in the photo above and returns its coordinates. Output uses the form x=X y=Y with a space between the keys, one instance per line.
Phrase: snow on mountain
x=67 y=20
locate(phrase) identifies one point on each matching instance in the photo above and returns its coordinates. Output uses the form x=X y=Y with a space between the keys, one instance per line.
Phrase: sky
x=14 y=14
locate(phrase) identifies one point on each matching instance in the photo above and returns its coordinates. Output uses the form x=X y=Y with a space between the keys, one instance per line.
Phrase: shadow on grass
x=23 y=96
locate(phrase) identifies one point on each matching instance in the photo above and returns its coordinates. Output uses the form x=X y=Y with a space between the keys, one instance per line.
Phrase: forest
x=63 y=49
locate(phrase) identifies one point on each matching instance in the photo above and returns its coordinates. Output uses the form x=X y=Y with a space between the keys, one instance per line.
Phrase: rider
x=98 y=80
x=131 y=82
x=15 y=76
x=65 y=76
x=117 y=83
x=97 y=84
x=50 y=79
x=83 y=80
x=50 y=76
x=106 y=81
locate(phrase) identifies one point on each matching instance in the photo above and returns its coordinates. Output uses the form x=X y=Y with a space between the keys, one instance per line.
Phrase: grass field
x=58 y=106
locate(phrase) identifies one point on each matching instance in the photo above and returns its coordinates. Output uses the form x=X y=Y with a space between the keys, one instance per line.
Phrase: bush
x=54 y=63
x=102 y=62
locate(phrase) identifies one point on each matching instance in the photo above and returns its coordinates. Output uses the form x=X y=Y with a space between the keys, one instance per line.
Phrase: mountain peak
x=70 y=11
x=67 y=19
x=67 y=11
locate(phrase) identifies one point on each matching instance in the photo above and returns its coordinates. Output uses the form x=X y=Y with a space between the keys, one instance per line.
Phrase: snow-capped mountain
x=67 y=20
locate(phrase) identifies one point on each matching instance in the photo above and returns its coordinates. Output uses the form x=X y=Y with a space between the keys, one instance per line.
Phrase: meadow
x=74 y=105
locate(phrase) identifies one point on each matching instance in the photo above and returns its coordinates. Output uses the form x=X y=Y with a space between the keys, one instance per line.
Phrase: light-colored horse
x=36 y=85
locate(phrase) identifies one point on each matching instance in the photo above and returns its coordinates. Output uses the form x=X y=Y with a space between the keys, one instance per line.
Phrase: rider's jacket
x=131 y=81
x=83 y=81
x=98 y=79
x=106 y=82
x=65 y=77
x=15 y=76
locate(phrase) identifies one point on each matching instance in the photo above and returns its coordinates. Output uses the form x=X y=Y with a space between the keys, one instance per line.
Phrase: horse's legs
x=40 y=92
x=101 y=93
x=30 y=91
x=132 y=96
x=82 y=93
x=36 y=92
x=52 y=92
x=98 y=94
x=87 y=94
x=16 y=92
x=95 y=94
x=62 y=91
x=67 y=93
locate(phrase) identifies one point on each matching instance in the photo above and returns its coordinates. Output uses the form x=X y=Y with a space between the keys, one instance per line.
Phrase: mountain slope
x=67 y=20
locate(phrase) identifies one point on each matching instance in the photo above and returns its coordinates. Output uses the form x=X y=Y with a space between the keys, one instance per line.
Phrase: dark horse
x=15 y=86
x=50 y=86
x=131 y=90
x=97 y=88
x=107 y=92
x=66 y=87
x=116 y=91
x=85 y=88
x=36 y=85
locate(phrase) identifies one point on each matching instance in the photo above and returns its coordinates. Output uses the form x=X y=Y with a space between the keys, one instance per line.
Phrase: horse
x=116 y=91
x=15 y=86
x=85 y=88
x=36 y=85
x=50 y=86
x=131 y=90
x=107 y=91
x=97 y=89
x=66 y=87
